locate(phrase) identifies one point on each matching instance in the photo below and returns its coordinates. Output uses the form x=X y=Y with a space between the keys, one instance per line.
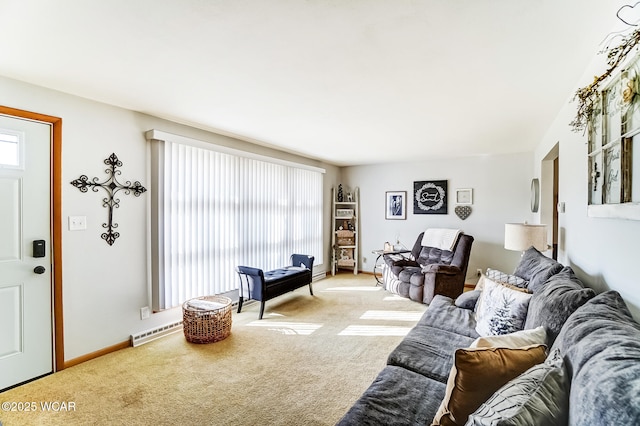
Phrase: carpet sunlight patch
x=300 y=328
x=392 y=316
x=393 y=298
x=374 y=330
x=344 y=289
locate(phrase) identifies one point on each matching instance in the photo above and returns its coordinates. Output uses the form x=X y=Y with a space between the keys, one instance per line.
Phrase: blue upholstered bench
x=262 y=286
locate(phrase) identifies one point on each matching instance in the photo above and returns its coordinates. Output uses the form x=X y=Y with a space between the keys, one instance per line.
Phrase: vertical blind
x=218 y=210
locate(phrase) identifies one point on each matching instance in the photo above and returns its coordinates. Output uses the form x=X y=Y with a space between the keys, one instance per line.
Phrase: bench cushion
x=281 y=273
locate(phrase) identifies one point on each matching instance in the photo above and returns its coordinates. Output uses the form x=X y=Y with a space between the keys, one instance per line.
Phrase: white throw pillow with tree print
x=502 y=309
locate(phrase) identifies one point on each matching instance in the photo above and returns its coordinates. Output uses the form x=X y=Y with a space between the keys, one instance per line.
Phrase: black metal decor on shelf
x=112 y=187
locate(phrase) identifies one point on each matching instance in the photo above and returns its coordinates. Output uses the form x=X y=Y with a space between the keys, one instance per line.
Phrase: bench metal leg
x=239 y=304
x=261 y=310
x=310 y=288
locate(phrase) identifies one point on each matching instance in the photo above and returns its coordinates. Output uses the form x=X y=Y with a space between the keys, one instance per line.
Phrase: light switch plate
x=77 y=223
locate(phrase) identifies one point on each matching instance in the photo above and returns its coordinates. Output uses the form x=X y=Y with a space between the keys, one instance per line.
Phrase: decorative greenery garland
x=587 y=96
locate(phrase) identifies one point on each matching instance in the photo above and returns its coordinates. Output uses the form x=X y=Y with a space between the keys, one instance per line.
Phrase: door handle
x=39 y=270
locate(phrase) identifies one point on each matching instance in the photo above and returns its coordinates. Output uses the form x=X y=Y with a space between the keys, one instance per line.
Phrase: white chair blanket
x=442 y=238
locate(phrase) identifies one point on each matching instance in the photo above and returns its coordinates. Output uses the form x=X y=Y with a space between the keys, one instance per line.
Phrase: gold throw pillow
x=479 y=372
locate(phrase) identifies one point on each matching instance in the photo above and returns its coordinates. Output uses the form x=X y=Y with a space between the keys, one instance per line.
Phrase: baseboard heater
x=318 y=276
x=155 y=333
x=164 y=330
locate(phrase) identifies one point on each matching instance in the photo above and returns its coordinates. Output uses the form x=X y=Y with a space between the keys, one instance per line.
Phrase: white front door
x=26 y=336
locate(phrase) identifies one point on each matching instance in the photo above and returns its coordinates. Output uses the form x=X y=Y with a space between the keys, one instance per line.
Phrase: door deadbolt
x=39 y=248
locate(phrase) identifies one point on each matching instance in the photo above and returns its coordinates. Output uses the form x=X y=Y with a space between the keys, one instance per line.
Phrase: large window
x=214 y=208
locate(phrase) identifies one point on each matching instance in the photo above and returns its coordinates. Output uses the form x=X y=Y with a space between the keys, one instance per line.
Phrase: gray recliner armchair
x=430 y=271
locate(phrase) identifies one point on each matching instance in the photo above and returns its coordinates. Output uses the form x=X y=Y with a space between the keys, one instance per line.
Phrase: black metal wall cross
x=112 y=186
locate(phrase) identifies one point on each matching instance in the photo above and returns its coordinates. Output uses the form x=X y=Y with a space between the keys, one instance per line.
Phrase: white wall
x=104 y=286
x=603 y=252
x=501 y=188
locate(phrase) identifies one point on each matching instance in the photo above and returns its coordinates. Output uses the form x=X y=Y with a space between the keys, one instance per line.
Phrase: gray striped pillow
x=502 y=277
x=539 y=396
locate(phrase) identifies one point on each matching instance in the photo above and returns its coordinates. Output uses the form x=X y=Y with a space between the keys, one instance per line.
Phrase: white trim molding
x=629 y=211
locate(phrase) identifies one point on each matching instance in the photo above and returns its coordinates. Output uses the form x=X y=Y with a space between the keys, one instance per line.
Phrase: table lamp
x=521 y=236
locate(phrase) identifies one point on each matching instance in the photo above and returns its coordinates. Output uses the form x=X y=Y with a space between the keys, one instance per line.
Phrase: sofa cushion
x=555 y=301
x=442 y=313
x=468 y=300
x=600 y=344
x=428 y=351
x=501 y=309
x=536 y=268
x=396 y=395
x=518 y=339
x=539 y=396
x=479 y=372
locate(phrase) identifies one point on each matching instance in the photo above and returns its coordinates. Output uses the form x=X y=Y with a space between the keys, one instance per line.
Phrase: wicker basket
x=206 y=319
x=343 y=233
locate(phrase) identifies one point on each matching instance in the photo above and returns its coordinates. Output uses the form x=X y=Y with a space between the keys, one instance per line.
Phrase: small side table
x=378 y=264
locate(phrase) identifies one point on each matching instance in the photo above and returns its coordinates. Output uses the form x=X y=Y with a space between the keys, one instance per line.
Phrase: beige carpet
x=305 y=363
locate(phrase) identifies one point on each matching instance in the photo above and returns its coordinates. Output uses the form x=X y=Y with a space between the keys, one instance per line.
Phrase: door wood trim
x=56 y=223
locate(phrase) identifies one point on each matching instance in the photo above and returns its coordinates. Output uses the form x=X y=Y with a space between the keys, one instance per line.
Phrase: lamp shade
x=521 y=236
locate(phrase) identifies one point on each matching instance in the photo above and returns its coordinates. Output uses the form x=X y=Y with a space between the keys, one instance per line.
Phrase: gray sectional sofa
x=591 y=375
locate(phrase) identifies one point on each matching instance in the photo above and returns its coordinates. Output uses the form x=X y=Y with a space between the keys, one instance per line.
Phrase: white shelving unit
x=345 y=237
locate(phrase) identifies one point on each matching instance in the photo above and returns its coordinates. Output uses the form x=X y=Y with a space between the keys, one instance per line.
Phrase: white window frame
x=256 y=216
x=20 y=146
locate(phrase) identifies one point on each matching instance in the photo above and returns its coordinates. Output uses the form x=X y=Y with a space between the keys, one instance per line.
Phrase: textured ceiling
x=343 y=81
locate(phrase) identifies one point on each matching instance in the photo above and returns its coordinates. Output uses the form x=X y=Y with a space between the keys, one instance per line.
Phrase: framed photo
x=395 y=205
x=430 y=197
x=464 y=196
